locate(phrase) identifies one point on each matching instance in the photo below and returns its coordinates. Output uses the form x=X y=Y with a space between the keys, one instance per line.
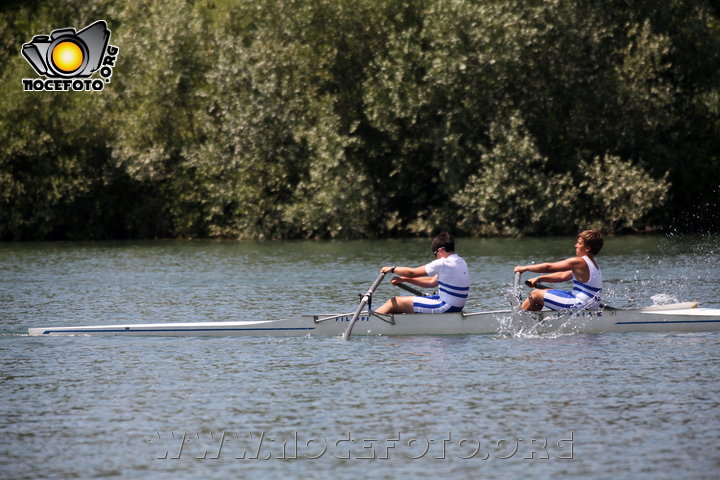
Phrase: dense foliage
x=352 y=118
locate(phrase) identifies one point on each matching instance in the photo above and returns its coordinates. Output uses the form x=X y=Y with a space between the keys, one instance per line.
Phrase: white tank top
x=589 y=291
x=453 y=279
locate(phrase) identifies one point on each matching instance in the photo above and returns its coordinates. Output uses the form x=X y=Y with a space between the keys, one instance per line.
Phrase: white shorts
x=564 y=300
x=433 y=304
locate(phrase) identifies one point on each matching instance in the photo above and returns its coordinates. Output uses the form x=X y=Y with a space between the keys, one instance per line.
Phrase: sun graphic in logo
x=67 y=56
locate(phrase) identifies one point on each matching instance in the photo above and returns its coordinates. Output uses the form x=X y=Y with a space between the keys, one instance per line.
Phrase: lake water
x=564 y=406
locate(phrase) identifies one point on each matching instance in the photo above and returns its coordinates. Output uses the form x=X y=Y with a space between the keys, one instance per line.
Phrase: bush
x=365 y=118
x=514 y=193
x=619 y=195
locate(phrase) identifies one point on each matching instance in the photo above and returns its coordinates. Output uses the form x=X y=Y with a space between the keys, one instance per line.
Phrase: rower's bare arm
x=422 y=282
x=406 y=271
x=555 y=277
x=568 y=264
x=416 y=275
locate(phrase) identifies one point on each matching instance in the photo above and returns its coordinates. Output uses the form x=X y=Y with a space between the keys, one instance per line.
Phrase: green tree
x=341 y=119
x=514 y=193
x=619 y=195
x=53 y=170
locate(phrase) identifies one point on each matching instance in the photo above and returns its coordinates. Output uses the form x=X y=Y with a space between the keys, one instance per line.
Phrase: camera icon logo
x=67 y=53
x=67 y=59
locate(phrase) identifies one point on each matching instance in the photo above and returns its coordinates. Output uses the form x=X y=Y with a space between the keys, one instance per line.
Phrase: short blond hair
x=593 y=239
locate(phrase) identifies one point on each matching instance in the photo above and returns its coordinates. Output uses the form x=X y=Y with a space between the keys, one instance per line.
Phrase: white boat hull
x=683 y=317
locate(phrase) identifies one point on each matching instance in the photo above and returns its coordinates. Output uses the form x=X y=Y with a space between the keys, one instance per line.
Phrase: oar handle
x=410 y=289
x=537 y=285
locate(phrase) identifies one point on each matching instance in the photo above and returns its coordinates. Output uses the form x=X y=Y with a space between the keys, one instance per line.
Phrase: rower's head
x=444 y=241
x=592 y=239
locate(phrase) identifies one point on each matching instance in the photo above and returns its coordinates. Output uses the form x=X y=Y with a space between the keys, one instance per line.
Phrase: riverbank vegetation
x=367 y=118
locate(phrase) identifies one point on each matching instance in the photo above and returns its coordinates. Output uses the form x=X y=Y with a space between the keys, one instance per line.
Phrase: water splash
x=521 y=324
x=664 y=299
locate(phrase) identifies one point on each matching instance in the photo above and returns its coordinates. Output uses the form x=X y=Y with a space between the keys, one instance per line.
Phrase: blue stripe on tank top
x=589 y=293
x=462 y=289
x=458 y=295
x=585 y=285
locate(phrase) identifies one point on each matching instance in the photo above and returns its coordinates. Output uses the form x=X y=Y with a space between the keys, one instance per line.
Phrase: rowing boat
x=681 y=317
x=678 y=317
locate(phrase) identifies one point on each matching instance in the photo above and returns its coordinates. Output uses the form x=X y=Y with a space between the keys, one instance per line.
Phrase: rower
x=582 y=269
x=448 y=271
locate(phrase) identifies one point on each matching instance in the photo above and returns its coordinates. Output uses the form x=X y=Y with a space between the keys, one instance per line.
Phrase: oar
x=537 y=285
x=363 y=302
x=410 y=289
x=516 y=295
